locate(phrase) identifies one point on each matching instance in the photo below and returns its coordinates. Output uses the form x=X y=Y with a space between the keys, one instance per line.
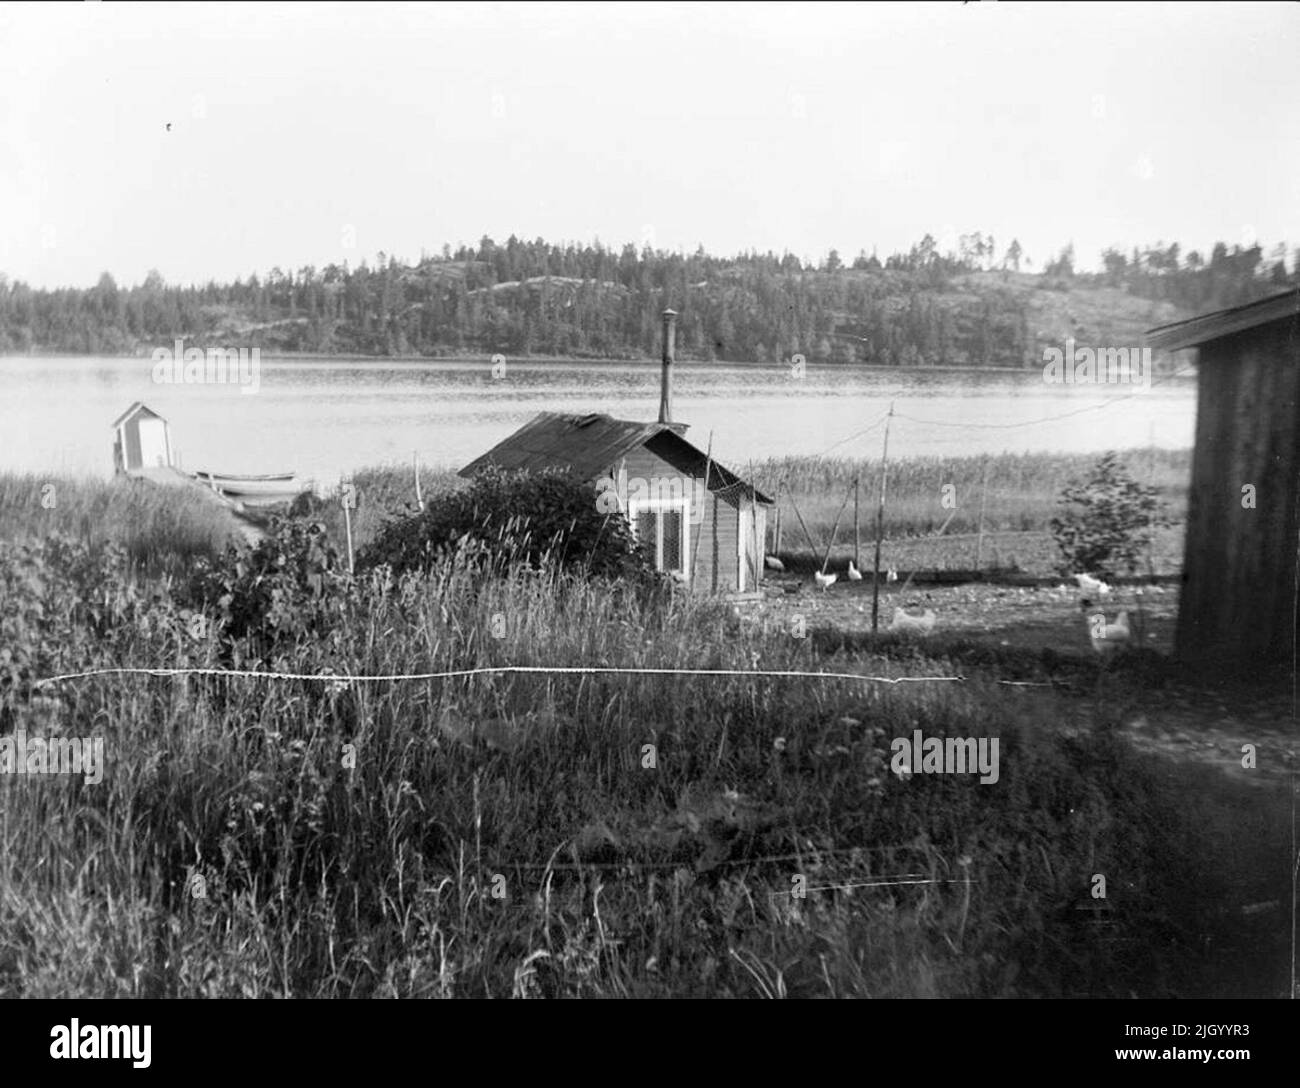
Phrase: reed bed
x=1021 y=495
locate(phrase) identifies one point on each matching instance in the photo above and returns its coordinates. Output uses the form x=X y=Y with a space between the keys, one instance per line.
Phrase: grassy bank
x=510 y=834
x=160 y=528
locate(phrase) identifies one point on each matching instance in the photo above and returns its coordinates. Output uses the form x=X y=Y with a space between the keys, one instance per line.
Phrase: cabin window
x=663 y=526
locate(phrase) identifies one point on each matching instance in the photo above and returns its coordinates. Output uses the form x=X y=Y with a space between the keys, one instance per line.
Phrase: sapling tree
x=1106 y=521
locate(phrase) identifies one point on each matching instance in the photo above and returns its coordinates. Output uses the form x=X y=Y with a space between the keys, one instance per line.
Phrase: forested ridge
x=920 y=308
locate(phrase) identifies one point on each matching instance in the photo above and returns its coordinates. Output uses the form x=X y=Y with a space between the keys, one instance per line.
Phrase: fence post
x=857 y=541
x=880 y=525
x=349 y=499
x=708 y=471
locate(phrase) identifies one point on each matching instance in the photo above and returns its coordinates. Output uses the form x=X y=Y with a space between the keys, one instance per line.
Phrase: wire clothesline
x=345 y=679
x=484 y=670
x=1050 y=419
x=995 y=426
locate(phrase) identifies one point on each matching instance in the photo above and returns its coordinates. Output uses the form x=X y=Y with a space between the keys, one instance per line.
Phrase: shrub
x=1107 y=520
x=513 y=518
x=65 y=601
x=288 y=588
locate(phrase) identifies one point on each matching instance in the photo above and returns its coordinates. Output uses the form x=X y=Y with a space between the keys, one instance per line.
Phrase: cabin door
x=153 y=443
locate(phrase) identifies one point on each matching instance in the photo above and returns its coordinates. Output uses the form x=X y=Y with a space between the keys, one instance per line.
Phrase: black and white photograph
x=686 y=501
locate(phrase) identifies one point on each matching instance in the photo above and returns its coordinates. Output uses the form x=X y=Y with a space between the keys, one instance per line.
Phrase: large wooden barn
x=704 y=523
x=1238 y=604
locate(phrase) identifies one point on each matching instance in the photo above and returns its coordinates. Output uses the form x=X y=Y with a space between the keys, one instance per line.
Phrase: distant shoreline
x=568 y=360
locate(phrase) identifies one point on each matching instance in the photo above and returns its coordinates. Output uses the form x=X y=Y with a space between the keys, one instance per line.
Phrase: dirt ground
x=1195 y=721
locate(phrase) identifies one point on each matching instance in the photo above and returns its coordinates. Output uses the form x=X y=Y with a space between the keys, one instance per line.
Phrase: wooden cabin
x=704 y=524
x=1238 y=603
x=141 y=440
x=709 y=533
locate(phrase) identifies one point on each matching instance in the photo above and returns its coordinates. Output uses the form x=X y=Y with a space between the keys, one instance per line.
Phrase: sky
x=310 y=134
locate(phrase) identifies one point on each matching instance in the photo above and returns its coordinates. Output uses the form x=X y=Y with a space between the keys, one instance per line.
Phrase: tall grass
x=160 y=527
x=925 y=494
x=349 y=840
x=382 y=492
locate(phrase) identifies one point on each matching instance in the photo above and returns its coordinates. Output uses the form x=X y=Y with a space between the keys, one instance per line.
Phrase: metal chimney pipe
x=666 y=375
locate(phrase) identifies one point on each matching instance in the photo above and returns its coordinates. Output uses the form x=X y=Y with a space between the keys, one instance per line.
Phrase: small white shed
x=142 y=440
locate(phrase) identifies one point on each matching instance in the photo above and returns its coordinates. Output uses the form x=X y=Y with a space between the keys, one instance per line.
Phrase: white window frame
x=683 y=506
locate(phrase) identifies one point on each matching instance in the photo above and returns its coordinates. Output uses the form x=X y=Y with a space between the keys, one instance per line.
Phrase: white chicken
x=771 y=562
x=824 y=580
x=1093 y=586
x=891 y=575
x=921 y=625
x=855 y=575
x=1105 y=637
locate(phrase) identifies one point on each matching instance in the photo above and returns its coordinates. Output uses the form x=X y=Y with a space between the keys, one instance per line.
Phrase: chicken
x=1094 y=587
x=922 y=624
x=771 y=562
x=855 y=575
x=824 y=580
x=891 y=575
x=1106 y=637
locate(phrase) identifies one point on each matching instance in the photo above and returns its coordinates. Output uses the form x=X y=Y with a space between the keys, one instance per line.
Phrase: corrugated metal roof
x=1220 y=323
x=588 y=445
x=684 y=456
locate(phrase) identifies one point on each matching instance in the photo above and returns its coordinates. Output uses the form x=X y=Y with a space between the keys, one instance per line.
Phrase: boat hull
x=267 y=490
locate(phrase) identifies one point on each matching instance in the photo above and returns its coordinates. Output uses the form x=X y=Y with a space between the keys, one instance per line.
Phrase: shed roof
x=138 y=408
x=587 y=445
x=1213 y=326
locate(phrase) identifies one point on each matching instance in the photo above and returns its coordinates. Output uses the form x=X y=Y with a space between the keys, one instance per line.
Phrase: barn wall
x=1238 y=598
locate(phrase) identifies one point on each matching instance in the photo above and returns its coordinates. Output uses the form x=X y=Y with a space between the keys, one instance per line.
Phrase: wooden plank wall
x=716 y=568
x=1238 y=598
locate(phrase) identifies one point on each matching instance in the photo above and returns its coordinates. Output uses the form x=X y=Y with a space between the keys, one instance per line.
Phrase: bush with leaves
x=289 y=588
x=1107 y=520
x=68 y=603
x=514 y=518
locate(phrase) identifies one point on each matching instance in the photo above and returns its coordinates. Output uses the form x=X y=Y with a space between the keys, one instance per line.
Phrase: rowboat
x=254 y=490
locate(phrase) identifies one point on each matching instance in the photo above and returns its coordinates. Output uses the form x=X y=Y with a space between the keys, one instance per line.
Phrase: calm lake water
x=324 y=419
